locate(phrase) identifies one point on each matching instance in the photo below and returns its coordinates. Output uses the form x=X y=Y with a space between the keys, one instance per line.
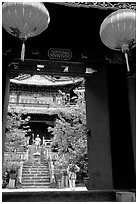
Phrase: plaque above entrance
x=57 y=53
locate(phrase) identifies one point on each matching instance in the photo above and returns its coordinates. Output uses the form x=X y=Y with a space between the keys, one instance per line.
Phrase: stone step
x=28 y=187
x=35 y=169
x=35 y=180
x=36 y=172
x=30 y=162
x=89 y=196
x=36 y=175
x=36 y=165
x=36 y=184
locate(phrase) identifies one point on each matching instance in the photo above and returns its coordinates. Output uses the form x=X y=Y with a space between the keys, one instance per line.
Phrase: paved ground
x=44 y=189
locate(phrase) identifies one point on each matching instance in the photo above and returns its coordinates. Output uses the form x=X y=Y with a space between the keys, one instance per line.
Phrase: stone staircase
x=36 y=175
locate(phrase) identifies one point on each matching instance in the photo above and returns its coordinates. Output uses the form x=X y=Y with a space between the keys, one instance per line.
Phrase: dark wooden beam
x=50 y=67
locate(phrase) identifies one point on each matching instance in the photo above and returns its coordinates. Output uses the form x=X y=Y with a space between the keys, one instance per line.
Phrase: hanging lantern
x=118 y=31
x=24 y=20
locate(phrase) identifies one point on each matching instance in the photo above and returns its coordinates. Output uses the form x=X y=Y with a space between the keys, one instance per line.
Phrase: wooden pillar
x=121 y=103
x=5 y=99
x=110 y=106
x=131 y=83
x=99 y=149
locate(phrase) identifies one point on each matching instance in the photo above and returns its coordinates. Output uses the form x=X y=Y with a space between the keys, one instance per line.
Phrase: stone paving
x=44 y=189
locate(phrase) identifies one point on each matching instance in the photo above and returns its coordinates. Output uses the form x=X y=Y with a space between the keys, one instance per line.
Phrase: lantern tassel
x=23 y=52
x=126 y=56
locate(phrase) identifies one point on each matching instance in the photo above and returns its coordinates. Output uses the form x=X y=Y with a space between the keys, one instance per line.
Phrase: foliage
x=10 y=165
x=15 y=132
x=15 y=139
x=70 y=134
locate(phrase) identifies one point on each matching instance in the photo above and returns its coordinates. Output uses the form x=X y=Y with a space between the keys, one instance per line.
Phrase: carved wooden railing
x=16 y=156
x=41 y=105
x=19 y=156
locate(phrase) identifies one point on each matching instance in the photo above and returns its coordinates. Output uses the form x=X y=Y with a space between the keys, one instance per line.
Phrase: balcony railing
x=38 y=108
x=31 y=104
x=42 y=105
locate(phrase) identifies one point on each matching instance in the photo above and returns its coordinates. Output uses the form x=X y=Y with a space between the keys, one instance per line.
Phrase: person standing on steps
x=37 y=142
x=72 y=170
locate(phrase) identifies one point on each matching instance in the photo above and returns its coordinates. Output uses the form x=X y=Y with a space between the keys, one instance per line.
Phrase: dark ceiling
x=75 y=28
x=70 y=27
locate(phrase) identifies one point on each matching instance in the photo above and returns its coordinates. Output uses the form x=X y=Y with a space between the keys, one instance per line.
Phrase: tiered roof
x=43 y=80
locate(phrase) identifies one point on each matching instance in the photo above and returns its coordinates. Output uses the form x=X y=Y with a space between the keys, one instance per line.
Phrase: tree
x=70 y=134
x=15 y=133
x=16 y=138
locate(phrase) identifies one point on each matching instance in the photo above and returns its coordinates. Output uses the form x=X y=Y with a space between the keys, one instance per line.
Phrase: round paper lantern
x=118 y=31
x=24 y=19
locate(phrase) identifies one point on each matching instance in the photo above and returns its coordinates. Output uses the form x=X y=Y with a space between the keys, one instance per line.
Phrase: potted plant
x=5 y=178
x=58 y=173
x=86 y=178
x=13 y=174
